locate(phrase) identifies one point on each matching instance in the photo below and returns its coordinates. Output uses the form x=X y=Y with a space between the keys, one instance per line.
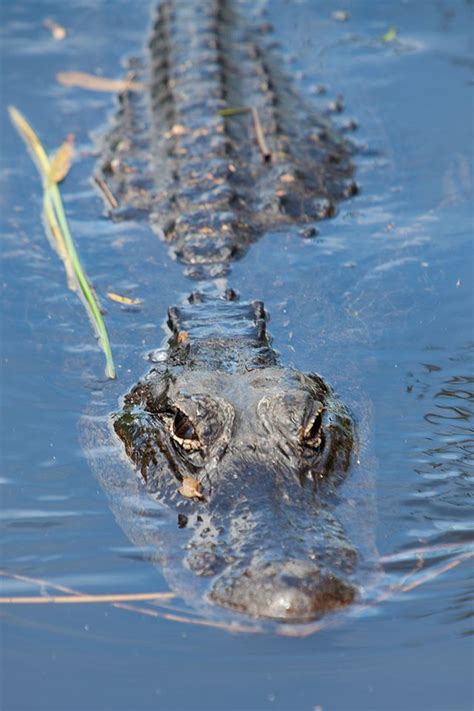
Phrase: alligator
x=198 y=175
x=246 y=454
x=264 y=446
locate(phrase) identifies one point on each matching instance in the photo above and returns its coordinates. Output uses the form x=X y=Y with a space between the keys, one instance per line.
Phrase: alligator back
x=211 y=184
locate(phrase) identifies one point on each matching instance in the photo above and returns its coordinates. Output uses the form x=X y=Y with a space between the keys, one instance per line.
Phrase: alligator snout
x=286 y=591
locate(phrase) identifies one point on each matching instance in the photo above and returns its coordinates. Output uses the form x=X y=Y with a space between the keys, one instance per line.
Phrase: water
x=380 y=303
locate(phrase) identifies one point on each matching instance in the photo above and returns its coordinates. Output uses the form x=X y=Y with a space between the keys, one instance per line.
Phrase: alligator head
x=249 y=454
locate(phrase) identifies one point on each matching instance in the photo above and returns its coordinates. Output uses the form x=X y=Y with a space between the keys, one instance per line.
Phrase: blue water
x=380 y=303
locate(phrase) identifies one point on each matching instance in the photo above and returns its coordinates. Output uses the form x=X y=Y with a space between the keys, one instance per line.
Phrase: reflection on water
x=438 y=509
x=444 y=457
x=445 y=461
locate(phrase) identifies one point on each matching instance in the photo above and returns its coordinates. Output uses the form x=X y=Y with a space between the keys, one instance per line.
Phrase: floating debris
x=259 y=134
x=390 y=36
x=107 y=193
x=191 y=488
x=123 y=299
x=95 y=83
x=176 y=130
x=58 y=31
x=73 y=596
x=68 y=599
x=308 y=232
x=340 y=15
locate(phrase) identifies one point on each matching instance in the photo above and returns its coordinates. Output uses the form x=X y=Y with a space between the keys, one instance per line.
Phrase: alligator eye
x=183 y=431
x=183 y=427
x=312 y=434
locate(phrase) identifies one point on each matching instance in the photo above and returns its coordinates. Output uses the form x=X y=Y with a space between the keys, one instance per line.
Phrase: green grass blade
x=226 y=113
x=57 y=223
x=53 y=195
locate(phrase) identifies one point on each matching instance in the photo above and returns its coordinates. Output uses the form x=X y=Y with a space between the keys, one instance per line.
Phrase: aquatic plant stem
x=56 y=221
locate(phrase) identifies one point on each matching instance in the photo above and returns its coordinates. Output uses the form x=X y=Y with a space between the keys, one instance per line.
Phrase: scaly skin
x=267 y=444
x=206 y=188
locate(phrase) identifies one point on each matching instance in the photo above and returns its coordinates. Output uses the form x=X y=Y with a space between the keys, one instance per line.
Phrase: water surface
x=380 y=303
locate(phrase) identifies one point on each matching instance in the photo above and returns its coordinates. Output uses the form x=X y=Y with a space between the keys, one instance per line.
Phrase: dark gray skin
x=200 y=177
x=268 y=445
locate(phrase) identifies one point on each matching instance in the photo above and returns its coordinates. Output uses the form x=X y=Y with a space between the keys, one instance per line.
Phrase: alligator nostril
x=289 y=591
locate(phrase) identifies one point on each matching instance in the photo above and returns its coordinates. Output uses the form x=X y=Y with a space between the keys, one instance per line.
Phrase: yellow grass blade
x=123 y=299
x=61 y=162
x=57 y=224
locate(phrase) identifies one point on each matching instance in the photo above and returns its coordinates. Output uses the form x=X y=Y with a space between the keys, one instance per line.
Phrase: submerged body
x=265 y=447
x=199 y=176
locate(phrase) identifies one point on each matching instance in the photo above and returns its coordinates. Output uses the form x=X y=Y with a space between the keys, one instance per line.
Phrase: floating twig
x=37 y=581
x=79 y=598
x=57 y=224
x=73 y=596
x=82 y=80
x=123 y=299
x=409 y=582
x=432 y=574
x=107 y=193
x=437 y=549
x=229 y=627
x=58 y=31
x=259 y=134
x=118 y=601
